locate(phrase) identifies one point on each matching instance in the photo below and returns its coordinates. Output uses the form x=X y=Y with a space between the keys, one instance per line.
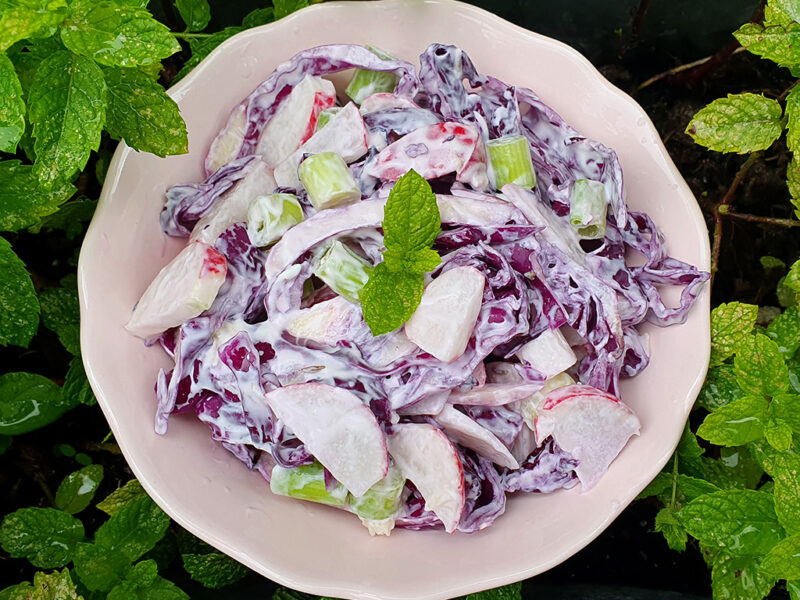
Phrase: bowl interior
x=323 y=550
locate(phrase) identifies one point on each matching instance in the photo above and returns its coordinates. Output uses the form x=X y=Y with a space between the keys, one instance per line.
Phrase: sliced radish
x=434 y=151
x=591 y=425
x=231 y=207
x=523 y=445
x=183 y=289
x=295 y=119
x=228 y=142
x=528 y=407
x=337 y=428
x=446 y=315
x=427 y=458
x=325 y=323
x=467 y=432
x=495 y=394
x=384 y=101
x=389 y=348
x=549 y=353
x=345 y=134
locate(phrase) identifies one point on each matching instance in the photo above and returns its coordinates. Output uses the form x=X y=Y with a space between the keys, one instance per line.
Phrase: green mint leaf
x=739 y=123
x=787 y=409
x=12 y=107
x=411 y=218
x=77 y=490
x=662 y=484
x=69 y=218
x=76 y=386
x=731 y=324
x=507 y=592
x=23 y=201
x=66 y=105
x=389 y=299
x=739 y=578
x=134 y=529
x=61 y=314
x=737 y=423
x=760 y=366
x=793 y=587
x=778 y=434
x=287 y=594
x=28 y=402
x=19 y=308
x=21 y=591
x=776 y=43
x=417 y=261
x=99 y=568
x=743 y=521
x=793 y=183
x=287 y=7
x=792 y=279
x=27 y=59
x=771 y=262
x=789 y=7
x=735 y=469
x=260 y=16
x=775 y=14
x=45 y=536
x=165 y=552
x=784 y=330
x=20 y=19
x=195 y=13
x=53 y=586
x=117 y=36
x=122 y=496
x=783 y=561
x=793 y=120
x=143 y=583
x=669 y=525
x=214 y=570
x=141 y=113
x=202 y=47
x=786 y=474
x=690 y=488
x=720 y=388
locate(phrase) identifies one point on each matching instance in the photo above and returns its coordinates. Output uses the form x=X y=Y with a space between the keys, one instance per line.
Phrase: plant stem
x=190 y=36
x=725 y=201
x=674 y=481
x=762 y=220
x=110 y=447
x=786 y=92
x=638 y=19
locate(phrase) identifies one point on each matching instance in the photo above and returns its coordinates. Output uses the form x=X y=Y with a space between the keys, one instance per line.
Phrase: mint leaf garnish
x=195 y=13
x=99 y=568
x=737 y=423
x=121 y=496
x=141 y=113
x=19 y=308
x=760 y=366
x=134 y=529
x=117 y=36
x=77 y=490
x=739 y=123
x=411 y=223
x=45 y=536
x=214 y=570
x=67 y=106
x=12 y=107
x=731 y=323
x=740 y=519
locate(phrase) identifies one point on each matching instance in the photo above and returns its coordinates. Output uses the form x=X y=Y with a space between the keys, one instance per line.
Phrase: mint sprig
x=411 y=223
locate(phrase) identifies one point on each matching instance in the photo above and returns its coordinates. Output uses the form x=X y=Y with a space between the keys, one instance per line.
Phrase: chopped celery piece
x=343 y=270
x=306 y=482
x=587 y=208
x=382 y=500
x=270 y=216
x=328 y=181
x=511 y=162
x=325 y=116
x=365 y=82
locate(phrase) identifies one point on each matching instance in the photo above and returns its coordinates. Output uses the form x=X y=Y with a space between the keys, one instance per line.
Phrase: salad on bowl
x=410 y=299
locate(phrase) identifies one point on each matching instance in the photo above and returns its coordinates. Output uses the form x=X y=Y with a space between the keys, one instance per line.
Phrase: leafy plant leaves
x=786 y=474
x=66 y=105
x=23 y=201
x=144 y=583
x=12 y=107
x=134 y=529
x=99 y=568
x=739 y=577
x=121 y=496
x=720 y=388
x=737 y=423
x=214 y=570
x=287 y=7
x=739 y=123
x=195 y=13
x=61 y=314
x=731 y=324
x=389 y=299
x=760 y=366
x=20 y=19
x=29 y=401
x=77 y=490
x=776 y=43
x=117 y=35
x=76 y=386
x=783 y=561
x=45 y=536
x=141 y=113
x=19 y=308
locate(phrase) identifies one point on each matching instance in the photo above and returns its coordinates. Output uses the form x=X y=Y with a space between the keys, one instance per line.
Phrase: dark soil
x=628 y=49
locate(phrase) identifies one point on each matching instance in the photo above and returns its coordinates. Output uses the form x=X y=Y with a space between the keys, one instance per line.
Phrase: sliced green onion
x=511 y=162
x=328 y=181
x=587 y=208
x=325 y=116
x=365 y=82
x=343 y=270
x=270 y=216
x=382 y=500
x=306 y=482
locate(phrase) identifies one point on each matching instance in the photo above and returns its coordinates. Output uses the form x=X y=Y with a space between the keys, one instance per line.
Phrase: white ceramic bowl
x=315 y=548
